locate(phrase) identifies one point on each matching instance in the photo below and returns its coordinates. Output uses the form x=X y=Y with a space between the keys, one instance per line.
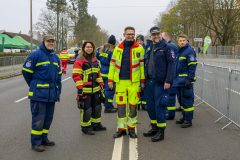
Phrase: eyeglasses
x=130 y=34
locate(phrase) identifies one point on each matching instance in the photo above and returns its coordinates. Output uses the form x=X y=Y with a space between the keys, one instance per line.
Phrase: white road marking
x=233 y=91
x=204 y=78
x=27 y=96
x=21 y=99
x=133 y=152
x=205 y=71
x=117 y=149
x=66 y=79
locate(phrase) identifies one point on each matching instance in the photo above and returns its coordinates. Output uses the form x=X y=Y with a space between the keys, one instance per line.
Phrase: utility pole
x=31 y=22
x=62 y=32
x=57 y=25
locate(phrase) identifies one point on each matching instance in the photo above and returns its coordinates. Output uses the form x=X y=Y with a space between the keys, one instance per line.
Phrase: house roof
x=24 y=36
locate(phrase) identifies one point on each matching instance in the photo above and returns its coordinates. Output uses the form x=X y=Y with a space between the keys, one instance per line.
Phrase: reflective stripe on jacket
x=105 y=59
x=87 y=77
x=64 y=56
x=136 y=63
x=186 y=63
x=42 y=72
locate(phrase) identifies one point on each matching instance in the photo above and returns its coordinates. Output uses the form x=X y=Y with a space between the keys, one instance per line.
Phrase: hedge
x=2 y=54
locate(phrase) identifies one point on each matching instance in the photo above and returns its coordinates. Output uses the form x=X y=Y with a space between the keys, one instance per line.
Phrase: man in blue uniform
x=184 y=77
x=42 y=72
x=172 y=96
x=159 y=70
x=142 y=101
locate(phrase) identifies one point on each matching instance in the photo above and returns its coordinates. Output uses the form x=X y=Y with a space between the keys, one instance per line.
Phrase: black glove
x=142 y=86
x=59 y=98
x=80 y=91
x=188 y=83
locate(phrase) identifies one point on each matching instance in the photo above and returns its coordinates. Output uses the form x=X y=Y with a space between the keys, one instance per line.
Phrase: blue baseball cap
x=155 y=30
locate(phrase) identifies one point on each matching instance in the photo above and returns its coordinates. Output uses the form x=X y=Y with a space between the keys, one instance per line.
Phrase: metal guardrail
x=11 y=65
x=219 y=88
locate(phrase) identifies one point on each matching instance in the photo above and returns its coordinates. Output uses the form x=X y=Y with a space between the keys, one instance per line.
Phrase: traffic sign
x=198 y=39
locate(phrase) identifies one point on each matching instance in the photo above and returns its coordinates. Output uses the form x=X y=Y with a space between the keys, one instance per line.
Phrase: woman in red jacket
x=86 y=74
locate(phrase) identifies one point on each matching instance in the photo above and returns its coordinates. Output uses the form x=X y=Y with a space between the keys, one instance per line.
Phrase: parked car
x=71 y=55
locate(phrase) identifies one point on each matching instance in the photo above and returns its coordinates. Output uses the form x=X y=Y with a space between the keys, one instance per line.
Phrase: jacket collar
x=183 y=48
x=135 y=45
x=170 y=41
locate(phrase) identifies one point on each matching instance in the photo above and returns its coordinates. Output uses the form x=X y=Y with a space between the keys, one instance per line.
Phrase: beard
x=156 y=40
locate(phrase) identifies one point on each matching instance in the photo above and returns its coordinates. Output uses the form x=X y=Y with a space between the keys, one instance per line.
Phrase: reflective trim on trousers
x=161 y=124
x=171 y=108
x=98 y=120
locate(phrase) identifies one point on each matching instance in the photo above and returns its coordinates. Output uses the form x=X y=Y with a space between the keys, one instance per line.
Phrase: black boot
x=169 y=117
x=139 y=106
x=48 y=143
x=180 y=121
x=159 y=135
x=132 y=133
x=38 y=148
x=179 y=109
x=151 y=132
x=186 y=124
x=88 y=130
x=144 y=108
x=119 y=133
x=110 y=110
x=98 y=127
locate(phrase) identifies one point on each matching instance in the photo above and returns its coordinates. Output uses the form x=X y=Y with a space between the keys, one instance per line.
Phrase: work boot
x=119 y=133
x=139 y=106
x=48 y=143
x=98 y=127
x=159 y=135
x=151 y=132
x=110 y=110
x=169 y=117
x=88 y=130
x=180 y=121
x=179 y=109
x=132 y=133
x=186 y=124
x=144 y=108
x=38 y=148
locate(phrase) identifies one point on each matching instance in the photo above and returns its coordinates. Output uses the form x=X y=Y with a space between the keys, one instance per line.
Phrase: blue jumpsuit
x=42 y=72
x=172 y=96
x=105 y=58
x=163 y=70
x=186 y=63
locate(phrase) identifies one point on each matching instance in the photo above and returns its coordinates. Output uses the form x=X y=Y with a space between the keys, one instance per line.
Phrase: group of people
x=149 y=75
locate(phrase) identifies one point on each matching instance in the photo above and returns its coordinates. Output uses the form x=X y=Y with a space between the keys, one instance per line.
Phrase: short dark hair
x=129 y=28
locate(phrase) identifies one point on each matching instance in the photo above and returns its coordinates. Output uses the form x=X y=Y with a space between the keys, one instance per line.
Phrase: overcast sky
x=111 y=15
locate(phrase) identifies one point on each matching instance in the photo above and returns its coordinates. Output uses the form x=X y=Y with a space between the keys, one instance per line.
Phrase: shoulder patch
x=192 y=59
x=28 y=64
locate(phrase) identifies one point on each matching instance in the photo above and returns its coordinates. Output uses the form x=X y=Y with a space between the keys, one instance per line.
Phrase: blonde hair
x=182 y=36
x=108 y=46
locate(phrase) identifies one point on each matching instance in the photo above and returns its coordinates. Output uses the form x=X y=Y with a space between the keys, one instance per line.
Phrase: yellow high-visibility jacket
x=136 y=63
x=64 y=56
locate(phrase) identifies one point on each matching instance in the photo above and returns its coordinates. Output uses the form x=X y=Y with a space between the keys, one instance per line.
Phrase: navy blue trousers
x=109 y=93
x=186 y=99
x=172 y=102
x=156 y=112
x=42 y=116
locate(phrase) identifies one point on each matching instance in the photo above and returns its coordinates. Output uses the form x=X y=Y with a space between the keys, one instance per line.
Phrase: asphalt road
x=205 y=140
